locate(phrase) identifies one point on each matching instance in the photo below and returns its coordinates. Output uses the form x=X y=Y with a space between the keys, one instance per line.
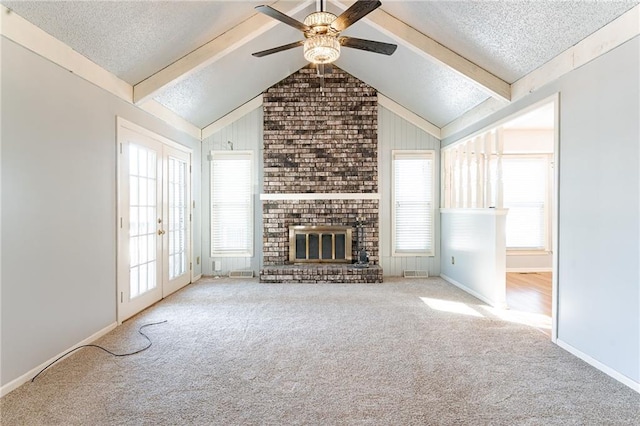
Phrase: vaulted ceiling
x=194 y=57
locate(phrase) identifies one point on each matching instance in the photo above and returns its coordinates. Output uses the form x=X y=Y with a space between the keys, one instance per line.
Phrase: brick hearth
x=332 y=273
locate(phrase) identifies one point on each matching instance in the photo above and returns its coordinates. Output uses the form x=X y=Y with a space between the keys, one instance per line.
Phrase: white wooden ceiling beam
x=213 y=51
x=428 y=47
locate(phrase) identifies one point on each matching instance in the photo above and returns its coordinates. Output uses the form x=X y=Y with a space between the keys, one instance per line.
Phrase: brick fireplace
x=320 y=169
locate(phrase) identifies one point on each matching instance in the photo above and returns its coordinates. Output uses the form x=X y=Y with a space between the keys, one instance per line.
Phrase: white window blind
x=413 y=179
x=231 y=203
x=526 y=194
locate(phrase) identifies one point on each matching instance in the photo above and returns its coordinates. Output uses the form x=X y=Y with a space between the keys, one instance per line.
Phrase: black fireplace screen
x=318 y=244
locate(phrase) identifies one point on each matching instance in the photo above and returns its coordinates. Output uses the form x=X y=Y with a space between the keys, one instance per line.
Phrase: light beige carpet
x=243 y=353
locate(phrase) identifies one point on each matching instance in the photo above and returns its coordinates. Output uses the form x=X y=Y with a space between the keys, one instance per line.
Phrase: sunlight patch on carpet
x=520 y=317
x=452 y=307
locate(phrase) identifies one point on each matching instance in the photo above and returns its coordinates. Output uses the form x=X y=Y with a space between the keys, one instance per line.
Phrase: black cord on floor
x=106 y=350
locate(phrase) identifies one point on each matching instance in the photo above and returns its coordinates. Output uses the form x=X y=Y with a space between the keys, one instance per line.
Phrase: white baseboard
x=14 y=384
x=196 y=278
x=600 y=366
x=529 y=270
x=468 y=290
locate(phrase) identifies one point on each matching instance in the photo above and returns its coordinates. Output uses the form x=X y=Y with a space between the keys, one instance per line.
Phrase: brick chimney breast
x=320 y=142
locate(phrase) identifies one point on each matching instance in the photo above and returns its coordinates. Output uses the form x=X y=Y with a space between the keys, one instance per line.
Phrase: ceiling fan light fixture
x=322 y=30
x=321 y=49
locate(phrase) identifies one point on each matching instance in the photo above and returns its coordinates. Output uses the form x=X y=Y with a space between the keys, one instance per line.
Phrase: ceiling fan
x=322 y=33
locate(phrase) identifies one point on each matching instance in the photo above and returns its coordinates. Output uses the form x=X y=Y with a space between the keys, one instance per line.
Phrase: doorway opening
x=529 y=191
x=499 y=202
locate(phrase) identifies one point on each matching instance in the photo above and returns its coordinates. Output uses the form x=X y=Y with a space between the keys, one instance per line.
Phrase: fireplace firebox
x=320 y=244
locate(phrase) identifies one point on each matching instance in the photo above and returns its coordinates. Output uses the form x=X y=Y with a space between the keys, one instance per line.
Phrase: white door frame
x=555 y=213
x=122 y=127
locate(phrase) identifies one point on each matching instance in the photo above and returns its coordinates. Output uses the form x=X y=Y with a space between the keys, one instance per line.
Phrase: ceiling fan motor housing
x=320 y=23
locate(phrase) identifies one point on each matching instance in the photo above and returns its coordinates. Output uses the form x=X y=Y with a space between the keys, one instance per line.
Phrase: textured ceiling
x=419 y=87
x=508 y=38
x=135 y=39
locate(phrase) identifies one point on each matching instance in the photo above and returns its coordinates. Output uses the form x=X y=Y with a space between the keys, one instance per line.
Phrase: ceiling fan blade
x=278 y=49
x=275 y=14
x=357 y=11
x=368 y=45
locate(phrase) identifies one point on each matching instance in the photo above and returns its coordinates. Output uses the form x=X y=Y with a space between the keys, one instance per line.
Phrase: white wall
x=542 y=262
x=58 y=207
x=528 y=141
x=474 y=253
x=394 y=132
x=246 y=135
x=599 y=209
x=599 y=275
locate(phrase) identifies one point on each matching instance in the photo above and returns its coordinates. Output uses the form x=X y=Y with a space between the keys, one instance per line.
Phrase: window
x=526 y=195
x=231 y=203
x=412 y=211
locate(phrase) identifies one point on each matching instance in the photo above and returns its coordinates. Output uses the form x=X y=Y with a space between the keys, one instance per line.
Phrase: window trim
x=429 y=154
x=251 y=225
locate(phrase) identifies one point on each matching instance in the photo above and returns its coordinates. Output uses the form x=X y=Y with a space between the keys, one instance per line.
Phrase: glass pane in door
x=143 y=183
x=177 y=220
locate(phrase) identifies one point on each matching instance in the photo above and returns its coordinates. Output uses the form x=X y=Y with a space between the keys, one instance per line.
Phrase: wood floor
x=529 y=292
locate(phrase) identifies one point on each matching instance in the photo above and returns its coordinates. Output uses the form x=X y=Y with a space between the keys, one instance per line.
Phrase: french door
x=154 y=229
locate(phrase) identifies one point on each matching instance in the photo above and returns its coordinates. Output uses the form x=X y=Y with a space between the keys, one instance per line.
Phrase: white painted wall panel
x=599 y=277
x=394 y=132
x=58 y=207
x=474 y=253
x=527 y=141
x=530 y=263
x=246 y=135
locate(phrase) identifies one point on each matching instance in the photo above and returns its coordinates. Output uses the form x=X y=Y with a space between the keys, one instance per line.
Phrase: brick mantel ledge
x=321 y=196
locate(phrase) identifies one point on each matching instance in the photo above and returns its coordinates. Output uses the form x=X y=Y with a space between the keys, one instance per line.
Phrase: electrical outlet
x=453 y=260
x=198 y=260
x=217 y=265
